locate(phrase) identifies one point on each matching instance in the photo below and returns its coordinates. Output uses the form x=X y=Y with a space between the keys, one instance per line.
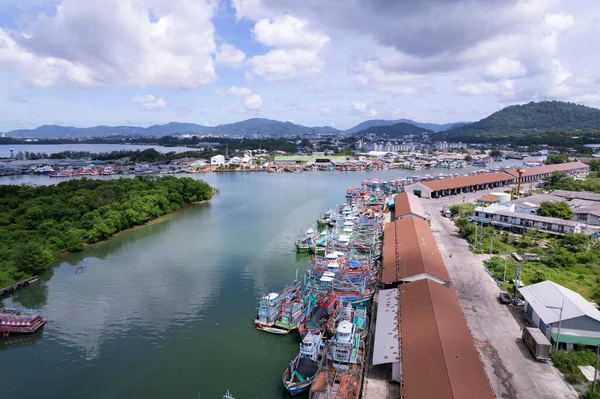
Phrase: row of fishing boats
x=330 y=305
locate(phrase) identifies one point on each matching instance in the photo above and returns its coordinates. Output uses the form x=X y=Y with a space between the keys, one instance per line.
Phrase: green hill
x=395 y=130
x=531 y=119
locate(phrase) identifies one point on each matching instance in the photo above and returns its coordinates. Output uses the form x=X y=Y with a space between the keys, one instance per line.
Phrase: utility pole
x=505 y=262
x=559 y=321
x=491 y=242
x=596 y=369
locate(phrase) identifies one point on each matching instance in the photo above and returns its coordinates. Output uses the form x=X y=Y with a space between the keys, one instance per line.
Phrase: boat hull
x=302 y=248
x=273 y=330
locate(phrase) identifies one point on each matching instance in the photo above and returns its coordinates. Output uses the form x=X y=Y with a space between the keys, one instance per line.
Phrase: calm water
x=93 y=148
x=166 y=310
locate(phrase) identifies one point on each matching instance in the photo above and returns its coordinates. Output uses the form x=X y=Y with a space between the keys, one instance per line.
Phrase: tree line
x=38 y=224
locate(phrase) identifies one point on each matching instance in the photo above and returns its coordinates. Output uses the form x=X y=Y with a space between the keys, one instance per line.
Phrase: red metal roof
x=406 y=204
x=487 y=198
x=411 y=250
x=546 y=169
x=466 y=181
x=439 y=358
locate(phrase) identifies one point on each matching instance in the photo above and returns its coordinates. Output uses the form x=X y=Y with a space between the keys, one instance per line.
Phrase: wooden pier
x=17 y=286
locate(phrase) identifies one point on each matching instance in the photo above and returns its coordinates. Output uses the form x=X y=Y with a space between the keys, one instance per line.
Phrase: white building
x=217 y=160
x=579 y=321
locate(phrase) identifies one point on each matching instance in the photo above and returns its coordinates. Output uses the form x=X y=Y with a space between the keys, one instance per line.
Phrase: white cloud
x=126 y=48
x=149 y=102
x=324 y=110
x=504 y=68
x=230 y=55
x=363 y=110
x=297 y=48
x=477 y=89
x=253 y=103
x=370 y=74
x=288 y=32
x=235 y=91
x=279 y=65
x=559 y=21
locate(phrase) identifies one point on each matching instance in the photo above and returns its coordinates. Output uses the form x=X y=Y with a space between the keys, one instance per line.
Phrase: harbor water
x=166 y=310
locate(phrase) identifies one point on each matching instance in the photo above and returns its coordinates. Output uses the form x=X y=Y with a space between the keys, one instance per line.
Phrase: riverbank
x=40 y=225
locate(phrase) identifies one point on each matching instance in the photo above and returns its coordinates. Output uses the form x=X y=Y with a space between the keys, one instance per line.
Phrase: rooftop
x=546 y=169
x=584 y=195
x=487 y=198
x=536 y=218
x=465 y=181
x=406 y=204
x=410 y=251
x=536 y=200
x=386 y=348
x=548 y=293
x=439 y=358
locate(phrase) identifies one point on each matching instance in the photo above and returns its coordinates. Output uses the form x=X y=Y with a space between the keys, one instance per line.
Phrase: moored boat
x=300 y=373
x=19 y=321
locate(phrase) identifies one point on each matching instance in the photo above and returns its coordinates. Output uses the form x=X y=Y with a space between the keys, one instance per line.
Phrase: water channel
x=166 y=310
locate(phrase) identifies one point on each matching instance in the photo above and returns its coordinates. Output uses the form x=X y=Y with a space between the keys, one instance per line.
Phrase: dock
x=17 y=286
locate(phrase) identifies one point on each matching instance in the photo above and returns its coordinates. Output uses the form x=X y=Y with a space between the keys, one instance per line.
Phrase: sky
x=311 y=62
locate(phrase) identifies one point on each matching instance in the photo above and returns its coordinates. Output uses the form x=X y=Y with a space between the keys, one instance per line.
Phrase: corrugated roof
x=487 y=198
x=386 y=347
x=406 y=204
x=535 y=218
x=465 y=181
x=413 y=251
x=439 y=359
x=584 y=195
x=548 y=293
x=545 y=169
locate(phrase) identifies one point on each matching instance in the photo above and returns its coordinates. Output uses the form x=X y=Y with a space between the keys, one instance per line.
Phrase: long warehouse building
x=538 y=173
x=459 y=185
x=420 y=327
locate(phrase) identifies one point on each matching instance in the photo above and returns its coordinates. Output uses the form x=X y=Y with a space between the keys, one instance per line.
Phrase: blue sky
x=335 y=62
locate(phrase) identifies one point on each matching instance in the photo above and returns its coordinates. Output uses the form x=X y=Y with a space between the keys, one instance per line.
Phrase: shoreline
x=58 y=260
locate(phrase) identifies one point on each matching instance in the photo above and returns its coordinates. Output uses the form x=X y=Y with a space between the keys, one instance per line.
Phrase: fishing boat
x=304 y=242
x=318 y=316
x=346 y=312
x=340 y=376
x=268 y=312
x=300 y=373
x=291 y=309
x=19 y=321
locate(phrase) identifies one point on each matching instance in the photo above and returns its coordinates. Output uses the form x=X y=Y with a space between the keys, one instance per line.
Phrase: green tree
x=575 y=242
x=495 y=153
x=468 y=158
x=560 y=210
x=30 y=258
x=556 y=158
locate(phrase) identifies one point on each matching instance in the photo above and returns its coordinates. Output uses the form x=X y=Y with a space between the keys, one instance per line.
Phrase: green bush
x=38 y=224
x=568 y=362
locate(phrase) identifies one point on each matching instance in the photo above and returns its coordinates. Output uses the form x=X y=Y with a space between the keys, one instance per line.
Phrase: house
x=549 y=304
x=217 y=160
x=506 y=217
x=486 y=199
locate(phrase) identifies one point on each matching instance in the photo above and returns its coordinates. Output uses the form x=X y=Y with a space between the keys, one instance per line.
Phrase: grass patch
x=568 y=363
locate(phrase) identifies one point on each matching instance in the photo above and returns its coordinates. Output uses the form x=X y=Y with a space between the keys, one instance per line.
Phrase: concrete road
x=512 y=371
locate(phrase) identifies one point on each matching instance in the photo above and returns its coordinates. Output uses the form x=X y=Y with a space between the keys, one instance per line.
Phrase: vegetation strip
x=39 y=224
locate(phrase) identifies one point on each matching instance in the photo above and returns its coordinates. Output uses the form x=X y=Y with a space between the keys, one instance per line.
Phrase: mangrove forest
x=39 y=224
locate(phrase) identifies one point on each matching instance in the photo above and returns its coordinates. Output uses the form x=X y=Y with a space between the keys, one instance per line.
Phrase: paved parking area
x=512 y=371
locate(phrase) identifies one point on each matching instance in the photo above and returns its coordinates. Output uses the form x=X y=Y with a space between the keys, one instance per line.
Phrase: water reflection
x=21 y=341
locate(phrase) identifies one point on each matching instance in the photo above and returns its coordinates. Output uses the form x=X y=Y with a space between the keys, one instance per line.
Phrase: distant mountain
x=532 y=118
x=395 y=130
x=247 y=127
x=385 y=122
